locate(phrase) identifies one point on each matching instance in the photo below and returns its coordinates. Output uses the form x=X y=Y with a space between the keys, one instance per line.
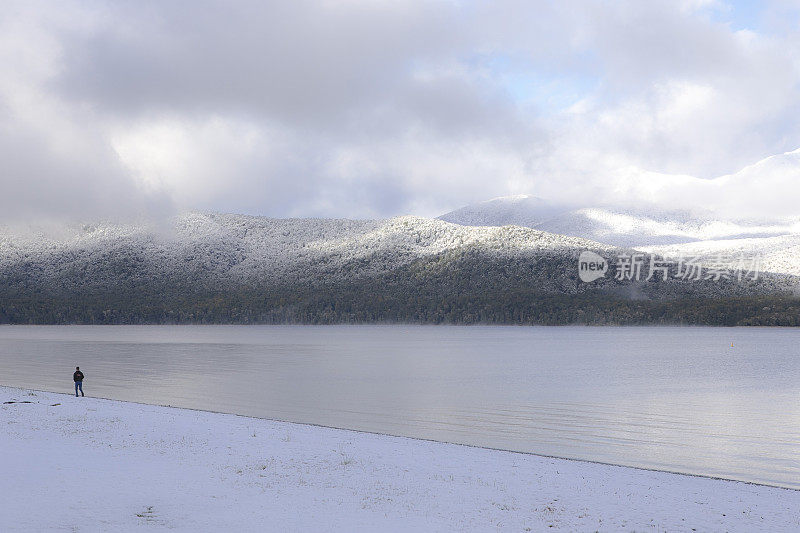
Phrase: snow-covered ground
x=83 y=464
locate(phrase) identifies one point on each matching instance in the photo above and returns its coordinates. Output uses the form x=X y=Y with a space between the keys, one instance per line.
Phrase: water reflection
x=669 y=398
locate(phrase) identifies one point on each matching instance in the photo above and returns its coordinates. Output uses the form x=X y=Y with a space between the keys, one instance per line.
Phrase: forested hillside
x=209 y=268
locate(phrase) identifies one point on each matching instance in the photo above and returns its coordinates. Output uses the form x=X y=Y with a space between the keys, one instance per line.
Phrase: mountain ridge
x=219 y=268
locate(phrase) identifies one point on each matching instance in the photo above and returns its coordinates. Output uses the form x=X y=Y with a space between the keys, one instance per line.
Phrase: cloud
x=371 y=109
x=57 y=161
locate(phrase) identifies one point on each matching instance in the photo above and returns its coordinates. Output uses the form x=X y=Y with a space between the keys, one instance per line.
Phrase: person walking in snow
x=77 y=377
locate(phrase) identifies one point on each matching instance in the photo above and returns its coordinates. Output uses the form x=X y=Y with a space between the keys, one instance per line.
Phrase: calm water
x=679 y=399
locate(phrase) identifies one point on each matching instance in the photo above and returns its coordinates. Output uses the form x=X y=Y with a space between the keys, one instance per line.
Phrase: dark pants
x=78 y=385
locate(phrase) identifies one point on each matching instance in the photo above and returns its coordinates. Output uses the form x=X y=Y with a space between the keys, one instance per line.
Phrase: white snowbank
x=98 y=465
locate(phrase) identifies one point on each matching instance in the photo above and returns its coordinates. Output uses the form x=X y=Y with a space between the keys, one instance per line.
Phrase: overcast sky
x=374 y=108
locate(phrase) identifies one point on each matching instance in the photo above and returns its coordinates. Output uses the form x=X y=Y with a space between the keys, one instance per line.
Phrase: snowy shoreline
x=87 y=464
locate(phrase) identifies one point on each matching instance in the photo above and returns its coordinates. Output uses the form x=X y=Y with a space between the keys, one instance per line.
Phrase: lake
x=712 y=401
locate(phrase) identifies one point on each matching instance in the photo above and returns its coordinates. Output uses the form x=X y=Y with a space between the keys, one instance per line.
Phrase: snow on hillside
x=411 y=237
x=201 y=247
x=226 y=250
x=774 y=244
x=632 y=229
x=780 y=255
x=78 y=464
x=615 y=226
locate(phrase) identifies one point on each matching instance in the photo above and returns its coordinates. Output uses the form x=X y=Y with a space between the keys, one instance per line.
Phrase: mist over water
x=712 y=401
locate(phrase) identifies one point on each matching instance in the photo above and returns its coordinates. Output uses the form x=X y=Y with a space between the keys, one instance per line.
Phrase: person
x=77 y=377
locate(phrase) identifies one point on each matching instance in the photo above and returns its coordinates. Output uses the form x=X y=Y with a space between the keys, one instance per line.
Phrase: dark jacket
x=77 y=376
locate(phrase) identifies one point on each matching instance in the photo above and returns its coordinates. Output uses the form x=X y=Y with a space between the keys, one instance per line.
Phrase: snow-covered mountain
x=778 y=254
x=224 y=250
x=615 y=226
x=726 y=225
x=633 y=228
x=774 y=245
x=233 y=268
